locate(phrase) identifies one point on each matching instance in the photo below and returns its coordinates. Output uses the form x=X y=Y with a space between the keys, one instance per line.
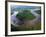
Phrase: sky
x=16 y=7
x=20 y=6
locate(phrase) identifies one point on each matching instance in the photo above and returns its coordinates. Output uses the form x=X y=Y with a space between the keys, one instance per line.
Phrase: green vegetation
x=25 y=14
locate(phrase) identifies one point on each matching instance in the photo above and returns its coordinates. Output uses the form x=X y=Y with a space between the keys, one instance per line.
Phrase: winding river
x=15 y=20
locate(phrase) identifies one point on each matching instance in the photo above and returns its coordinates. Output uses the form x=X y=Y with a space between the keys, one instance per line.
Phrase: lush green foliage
x=25 y=14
